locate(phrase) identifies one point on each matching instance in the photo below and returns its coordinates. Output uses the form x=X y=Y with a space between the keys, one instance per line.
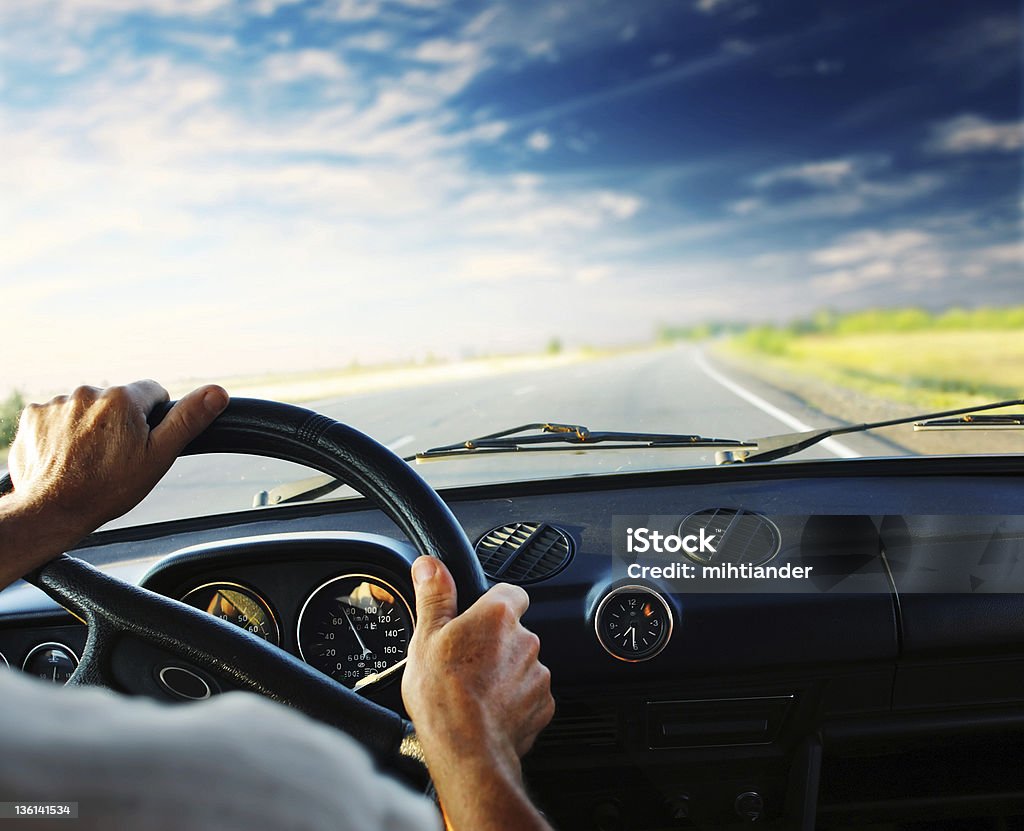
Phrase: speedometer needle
x=366 y=652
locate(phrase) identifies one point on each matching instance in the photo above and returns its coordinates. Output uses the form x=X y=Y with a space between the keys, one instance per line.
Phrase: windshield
x=438 y=220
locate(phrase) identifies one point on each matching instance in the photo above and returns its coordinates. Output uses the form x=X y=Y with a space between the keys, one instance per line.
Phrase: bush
x=10 y=410
x=767 y=339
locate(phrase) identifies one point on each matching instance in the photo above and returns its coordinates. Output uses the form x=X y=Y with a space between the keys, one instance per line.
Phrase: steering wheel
x=116 y=611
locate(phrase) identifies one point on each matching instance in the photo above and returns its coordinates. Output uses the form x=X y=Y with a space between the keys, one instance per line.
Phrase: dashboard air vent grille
x=524 y=552
x=741 y=537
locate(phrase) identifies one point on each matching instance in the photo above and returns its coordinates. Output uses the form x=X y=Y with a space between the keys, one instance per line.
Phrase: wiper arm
x=553 y=436
x=534 y=438
x=770 y=448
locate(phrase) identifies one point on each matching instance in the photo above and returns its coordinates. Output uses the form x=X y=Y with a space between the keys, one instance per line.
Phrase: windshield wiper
x=770 y=448
x=533 y=438
x=552 y=436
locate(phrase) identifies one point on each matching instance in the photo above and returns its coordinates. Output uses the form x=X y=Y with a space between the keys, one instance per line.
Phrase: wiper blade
x=770 y=448
x=1007 y=421
x=554 y=436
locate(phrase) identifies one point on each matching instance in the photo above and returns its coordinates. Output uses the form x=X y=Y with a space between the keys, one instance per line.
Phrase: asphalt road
x=669 y=390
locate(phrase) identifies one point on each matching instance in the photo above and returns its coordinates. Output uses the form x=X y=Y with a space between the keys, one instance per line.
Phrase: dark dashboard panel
x=751 y=680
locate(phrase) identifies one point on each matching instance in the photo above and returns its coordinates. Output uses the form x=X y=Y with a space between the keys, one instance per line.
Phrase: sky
x=200 y=188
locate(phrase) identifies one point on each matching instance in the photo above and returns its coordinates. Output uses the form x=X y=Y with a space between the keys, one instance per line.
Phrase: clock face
x=633 y=623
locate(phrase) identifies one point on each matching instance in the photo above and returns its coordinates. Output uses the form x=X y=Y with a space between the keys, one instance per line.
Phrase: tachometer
x=238 y=605
x=356 y=629
x=52 y=662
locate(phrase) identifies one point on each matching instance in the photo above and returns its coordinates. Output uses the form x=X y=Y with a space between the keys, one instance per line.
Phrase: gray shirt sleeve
x=235 y=761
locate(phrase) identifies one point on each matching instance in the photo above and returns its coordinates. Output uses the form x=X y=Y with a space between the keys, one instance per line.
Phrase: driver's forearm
x=480 y=794
x=30 y=535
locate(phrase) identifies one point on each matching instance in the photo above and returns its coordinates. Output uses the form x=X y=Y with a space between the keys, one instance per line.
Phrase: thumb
x=435 y=594
x=188 y=418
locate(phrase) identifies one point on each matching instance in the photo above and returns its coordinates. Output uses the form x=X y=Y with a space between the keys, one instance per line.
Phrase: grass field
x=932 y=369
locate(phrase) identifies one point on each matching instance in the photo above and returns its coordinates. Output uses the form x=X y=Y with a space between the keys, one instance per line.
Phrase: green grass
x=934 y=367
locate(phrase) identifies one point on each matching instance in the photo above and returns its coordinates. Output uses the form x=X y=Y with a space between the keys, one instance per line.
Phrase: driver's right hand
x=473 y=685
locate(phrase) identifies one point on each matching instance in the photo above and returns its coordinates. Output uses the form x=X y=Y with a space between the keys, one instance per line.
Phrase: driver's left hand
x=83 y=459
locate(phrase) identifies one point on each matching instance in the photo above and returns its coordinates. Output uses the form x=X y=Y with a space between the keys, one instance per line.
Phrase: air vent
x=524 y=552
x=740 y=536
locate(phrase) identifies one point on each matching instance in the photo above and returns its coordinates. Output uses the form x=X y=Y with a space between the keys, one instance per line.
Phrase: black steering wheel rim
x=115 y=610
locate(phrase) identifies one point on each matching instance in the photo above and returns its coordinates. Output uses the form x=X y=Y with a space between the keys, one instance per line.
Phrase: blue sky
x=195 y=188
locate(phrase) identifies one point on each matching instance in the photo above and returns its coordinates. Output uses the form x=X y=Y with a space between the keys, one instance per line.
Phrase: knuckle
x=494 y=611
x=548 y=711
x=515 y=594
x=115 y=395
x=84 y=393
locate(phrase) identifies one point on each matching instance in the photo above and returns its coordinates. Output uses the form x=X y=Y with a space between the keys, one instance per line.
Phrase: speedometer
x=356 y=629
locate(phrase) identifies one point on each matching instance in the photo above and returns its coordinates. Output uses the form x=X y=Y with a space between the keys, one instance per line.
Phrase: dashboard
x=885 y=683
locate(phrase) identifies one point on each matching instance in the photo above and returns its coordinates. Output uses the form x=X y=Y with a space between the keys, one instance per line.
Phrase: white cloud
x=378 y=41
x=970 y=133
x=488 y=131
x=738 y=46
x=1011 y=253
x=843 y=186
x=743 y=207
x=304 y=64
x=823 y=66
x=829 y=173
x=539 y=141
x=202 y=42
x=907 y=258
x=870 y=245
x=593 y=273
x=619 y=205
x=266 y=8
x=443 y=50
x=508 y=266
x=711 y=6
x=349 y=10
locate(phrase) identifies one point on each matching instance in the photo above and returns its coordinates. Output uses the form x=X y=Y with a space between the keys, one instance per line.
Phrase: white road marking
x=525 y=390
x=401 y=442
x=791 y=421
